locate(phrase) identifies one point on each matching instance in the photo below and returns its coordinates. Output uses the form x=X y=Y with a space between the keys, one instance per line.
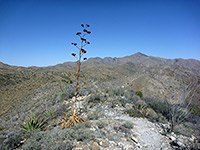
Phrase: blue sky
x=40 y=32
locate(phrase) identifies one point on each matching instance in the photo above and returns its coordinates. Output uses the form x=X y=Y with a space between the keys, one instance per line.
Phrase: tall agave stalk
x=74 y=118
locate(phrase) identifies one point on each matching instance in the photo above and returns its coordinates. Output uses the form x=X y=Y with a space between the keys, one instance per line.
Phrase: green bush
x=196 y=110
x=48 y=114
x=139 y=93
x=63 y=94
x=158 y=106
x=35 y=122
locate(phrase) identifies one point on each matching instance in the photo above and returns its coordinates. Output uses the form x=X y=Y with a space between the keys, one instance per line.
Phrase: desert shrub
x=2 y=128
x=161 y=118
x=117 y=92
x=93 y=115
x=94 y=99
x=12 y=141
x=83 y=134
x=101 y=124
x=129 y=94
x=184 y=128
x=7 y=118
x=139 y=93
x=135 y=113
x=140 y=105
x=35 y=122
x=123 y=101
x=151 y=114
x=114 y=103
x=63 y=94
x=196 y=110
x=128 y=125
x=158 y=106
x=84 y=125
x=53 y=139
x=70 y=93
x=83 y=91
x=58 y=138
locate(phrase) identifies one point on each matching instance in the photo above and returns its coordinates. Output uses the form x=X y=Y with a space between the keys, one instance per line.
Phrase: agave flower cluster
x=84 y=42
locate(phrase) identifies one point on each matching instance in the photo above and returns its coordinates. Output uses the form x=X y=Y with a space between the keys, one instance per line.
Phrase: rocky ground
x=109 y=128
x=109 y=122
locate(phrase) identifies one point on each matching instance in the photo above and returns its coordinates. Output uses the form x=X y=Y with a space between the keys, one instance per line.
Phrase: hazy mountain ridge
x=142 y=59
x=138 y=58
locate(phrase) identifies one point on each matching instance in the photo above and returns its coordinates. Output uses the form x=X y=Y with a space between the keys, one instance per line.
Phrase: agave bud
x=74 y=44
x=73 y=54
x=78 y=33
x=87 y=25
x=83 y=39
x=82 y=25
x=84 y=51
x=85 y=30
x=88 y=32
x=84 y=58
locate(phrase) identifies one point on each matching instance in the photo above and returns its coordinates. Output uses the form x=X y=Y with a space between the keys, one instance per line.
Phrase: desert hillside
x=117 y=116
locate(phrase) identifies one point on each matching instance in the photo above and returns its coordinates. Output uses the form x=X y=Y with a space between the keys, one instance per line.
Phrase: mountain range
x=154 y=76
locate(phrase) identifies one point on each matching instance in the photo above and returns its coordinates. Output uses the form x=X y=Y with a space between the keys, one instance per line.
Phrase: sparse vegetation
x=128 y=125
x=179 y=104
x=139 y=93
x=57 y=138
x=48 y=114
x=35 y=122
x=101 y=124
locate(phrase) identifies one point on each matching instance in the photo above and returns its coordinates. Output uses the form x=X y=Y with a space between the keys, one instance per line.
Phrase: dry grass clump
x=70 y=121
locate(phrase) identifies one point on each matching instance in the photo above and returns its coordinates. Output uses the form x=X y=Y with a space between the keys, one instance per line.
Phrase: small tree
x=74 y=119
x=179 y=104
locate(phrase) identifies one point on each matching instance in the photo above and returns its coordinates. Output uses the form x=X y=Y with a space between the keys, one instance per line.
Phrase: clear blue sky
x=40 y=32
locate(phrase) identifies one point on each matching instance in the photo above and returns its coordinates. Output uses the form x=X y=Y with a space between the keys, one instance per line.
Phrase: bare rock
x=94 y=146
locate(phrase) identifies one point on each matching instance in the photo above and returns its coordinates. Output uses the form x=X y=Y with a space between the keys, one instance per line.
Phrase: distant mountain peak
x=140 y=54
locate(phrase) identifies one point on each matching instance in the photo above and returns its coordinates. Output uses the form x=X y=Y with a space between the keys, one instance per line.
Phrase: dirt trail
x=146 y=134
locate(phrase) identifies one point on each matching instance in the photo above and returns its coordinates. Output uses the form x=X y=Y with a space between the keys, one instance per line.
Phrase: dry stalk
x=73 y=119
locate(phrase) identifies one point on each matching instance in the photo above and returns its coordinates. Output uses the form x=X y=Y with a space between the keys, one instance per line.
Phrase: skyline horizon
x=95 y=58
